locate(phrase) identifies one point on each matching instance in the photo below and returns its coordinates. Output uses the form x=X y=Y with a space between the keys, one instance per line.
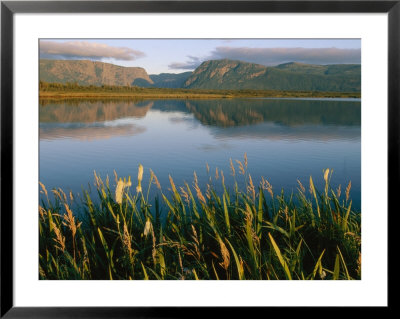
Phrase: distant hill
x=330 y=69
x=86 y=72
x=164 y=80
x=230 y=74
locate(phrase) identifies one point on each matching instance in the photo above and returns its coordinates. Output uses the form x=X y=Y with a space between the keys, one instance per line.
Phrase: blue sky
x=180 y=55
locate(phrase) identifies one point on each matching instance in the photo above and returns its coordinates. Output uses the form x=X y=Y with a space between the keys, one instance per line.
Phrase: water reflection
x=285 y=140
x=88 y=132
x=239 y=118
x=221 y=112
x=272 y=131
x=71 y=111
x=228 y=113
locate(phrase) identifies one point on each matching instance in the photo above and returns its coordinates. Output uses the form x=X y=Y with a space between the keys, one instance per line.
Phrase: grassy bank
x=63 y=91
x=254 y=233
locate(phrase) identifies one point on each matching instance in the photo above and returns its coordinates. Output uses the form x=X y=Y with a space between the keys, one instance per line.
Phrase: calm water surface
x=285 y=140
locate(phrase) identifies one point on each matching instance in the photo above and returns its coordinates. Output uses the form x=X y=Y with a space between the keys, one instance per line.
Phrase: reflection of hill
x=91 y=111
x=88 y=132
x=239 y=112
x=170 y=106
x=273 y=131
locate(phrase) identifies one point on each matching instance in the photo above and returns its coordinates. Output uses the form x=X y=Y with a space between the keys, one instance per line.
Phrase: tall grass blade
x=146 y=277
x=261 y=204
x=226 y=214
x=344 y=264
x=336 y=270
x=280 y=257
x=318 y=265
x=239 y=266
x=345 y=226
x=315 y=196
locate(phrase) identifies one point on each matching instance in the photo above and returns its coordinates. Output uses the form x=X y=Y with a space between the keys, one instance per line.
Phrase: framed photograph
x=160 y=155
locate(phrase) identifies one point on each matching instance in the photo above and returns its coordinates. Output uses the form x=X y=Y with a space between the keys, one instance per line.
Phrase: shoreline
x=179 y=94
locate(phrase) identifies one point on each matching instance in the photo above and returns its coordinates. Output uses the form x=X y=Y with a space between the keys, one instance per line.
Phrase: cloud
x=193 y=63
x=275 y=56
x=88 y=50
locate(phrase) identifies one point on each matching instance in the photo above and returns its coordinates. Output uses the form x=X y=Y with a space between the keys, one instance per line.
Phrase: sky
x=180 y=55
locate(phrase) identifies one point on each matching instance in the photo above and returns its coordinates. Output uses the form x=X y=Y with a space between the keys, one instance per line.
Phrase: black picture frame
x=9 y=8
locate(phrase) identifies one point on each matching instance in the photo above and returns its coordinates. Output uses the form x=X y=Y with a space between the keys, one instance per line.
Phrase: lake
x=285 y=140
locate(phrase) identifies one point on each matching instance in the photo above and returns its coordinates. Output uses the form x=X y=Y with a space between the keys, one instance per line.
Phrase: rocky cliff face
x=224 y=72
x=86 y=72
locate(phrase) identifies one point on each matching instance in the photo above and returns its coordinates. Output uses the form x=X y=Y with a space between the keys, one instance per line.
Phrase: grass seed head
x=326 y=175
x=42 y=212
x=43 y=188
x=156 y=182
x=251 y=188
x=140 y=173
x=147 y=227
x=200 y=195
x=197 y=189
x=60 y=239
x=96 y=180
x=115 y=177
x=119 y=191
x=69 y=220
x=225 y=255
x=233 y=172
x=301 y=186
x=172 y=184
x=348 y=191
x=241 y=168
x=57 y=194
x=338 y=191
x=127 y=239
x=185 y=195
x=140 y=177
x=267 y=186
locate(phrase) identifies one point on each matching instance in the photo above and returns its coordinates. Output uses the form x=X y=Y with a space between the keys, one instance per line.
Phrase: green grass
x=255 y=233
x=73 y=90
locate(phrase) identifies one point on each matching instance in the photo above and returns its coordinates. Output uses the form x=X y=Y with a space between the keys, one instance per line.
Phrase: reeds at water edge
x=195 y=233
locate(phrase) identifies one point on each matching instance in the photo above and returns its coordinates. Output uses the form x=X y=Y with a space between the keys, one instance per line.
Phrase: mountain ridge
x=86 y=72
x=212 y=74
x=293 y=76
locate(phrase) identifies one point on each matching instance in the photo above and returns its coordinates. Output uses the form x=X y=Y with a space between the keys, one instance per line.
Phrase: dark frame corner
x=9 y=8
